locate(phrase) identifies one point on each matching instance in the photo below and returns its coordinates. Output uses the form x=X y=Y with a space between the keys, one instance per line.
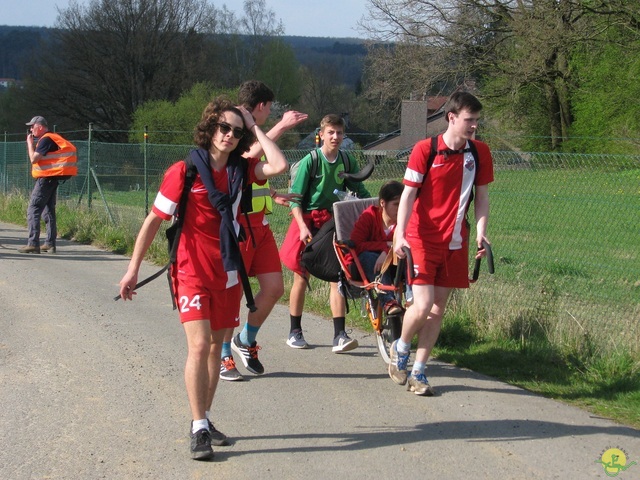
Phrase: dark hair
x=390 y=190
x=254 y=92
x=207 y=126
x=332 y=119
x=459 y=101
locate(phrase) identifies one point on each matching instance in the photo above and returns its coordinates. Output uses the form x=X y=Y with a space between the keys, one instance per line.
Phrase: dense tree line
x=541 y=64
x=548 y=71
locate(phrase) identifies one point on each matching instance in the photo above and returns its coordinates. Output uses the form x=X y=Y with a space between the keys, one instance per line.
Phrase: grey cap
x=39 y=120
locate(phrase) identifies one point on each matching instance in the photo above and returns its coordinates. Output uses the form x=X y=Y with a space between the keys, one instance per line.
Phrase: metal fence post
x=146 y=173
x=5 y=181
x=89 y=167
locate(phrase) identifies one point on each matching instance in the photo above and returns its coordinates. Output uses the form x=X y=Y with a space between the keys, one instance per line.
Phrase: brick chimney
x=413 y=121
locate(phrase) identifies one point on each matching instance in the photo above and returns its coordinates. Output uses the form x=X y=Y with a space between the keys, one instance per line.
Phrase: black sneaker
x=218 y=438
x=201 y=445
x=248 y=355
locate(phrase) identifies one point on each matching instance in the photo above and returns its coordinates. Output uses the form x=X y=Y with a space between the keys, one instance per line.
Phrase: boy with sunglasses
x=205 y=275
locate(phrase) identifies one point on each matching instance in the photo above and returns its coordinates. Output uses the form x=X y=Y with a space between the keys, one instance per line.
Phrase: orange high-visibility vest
x=62 y=162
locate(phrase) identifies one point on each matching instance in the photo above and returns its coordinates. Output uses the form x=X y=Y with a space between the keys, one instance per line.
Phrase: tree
x=255 y=31
x=512 y=48
x=278 y=68
x=605 y=102
x=173 y=122
x=323 y=94
x=110 y=57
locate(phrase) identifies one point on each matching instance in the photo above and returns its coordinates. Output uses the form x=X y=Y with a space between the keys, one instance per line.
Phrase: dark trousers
x=368 y=262
x=43 y=205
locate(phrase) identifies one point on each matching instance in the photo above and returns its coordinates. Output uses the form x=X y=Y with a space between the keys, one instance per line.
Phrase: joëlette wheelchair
x=386 y=327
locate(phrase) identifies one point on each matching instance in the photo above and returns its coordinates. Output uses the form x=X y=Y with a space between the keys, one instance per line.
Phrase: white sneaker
x=343 y=343
x=296 y=340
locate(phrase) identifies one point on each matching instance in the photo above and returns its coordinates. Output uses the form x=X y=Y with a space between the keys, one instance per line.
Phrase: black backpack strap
x=474 y=151
x=346 y=161
x=432 y=153
x=246 y=202
x=313 y=171
x=190 y=177
x=315 y=163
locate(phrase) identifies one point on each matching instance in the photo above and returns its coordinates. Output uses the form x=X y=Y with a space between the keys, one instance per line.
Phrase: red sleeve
x=170 y=191
x=485 y=164
x=252 y=172
x=367 y=232
x=417 y=166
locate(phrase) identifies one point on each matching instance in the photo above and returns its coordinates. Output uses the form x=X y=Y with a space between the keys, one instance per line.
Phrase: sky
x=311 y=18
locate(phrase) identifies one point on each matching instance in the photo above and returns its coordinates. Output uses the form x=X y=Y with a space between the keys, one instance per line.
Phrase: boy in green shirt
x=309 y=215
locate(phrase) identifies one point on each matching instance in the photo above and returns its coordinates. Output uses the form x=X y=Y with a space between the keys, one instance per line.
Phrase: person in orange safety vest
x=53 y=160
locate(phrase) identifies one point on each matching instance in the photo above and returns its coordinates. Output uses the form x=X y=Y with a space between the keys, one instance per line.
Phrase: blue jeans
x=43 y=205
x=368 y=262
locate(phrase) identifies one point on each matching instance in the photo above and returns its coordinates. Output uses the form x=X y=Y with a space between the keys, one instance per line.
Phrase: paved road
x=92 y=388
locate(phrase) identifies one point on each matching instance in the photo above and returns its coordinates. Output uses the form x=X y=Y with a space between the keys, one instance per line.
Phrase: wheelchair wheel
x=391 y=330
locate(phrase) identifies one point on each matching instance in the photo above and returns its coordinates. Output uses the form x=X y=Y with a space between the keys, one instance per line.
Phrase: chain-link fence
x=565 y=230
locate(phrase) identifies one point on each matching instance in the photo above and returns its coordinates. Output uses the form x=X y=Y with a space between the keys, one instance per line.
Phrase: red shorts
x=220 y=307
x=263 y=258
x=291 y=248
x=440 y=266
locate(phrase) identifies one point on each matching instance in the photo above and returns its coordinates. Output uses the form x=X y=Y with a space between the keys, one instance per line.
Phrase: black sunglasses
x=226 y=128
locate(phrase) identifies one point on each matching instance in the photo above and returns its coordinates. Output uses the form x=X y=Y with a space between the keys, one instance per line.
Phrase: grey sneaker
x=201 y=445
x=398 y=364
x=296 y=340
x=48 y=248
x=228 y=370
x=418 y=384
x=29 y=249
x=343 y=343
x=218 y=438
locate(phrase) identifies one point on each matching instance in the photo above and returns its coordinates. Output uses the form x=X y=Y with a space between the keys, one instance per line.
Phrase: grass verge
x=524 y=348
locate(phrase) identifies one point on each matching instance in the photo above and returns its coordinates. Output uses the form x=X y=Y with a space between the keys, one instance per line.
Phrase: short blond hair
x=333 y=120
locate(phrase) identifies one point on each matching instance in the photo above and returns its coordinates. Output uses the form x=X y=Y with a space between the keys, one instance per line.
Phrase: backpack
x=319 y=257
x=315 y=164
x=174 y=231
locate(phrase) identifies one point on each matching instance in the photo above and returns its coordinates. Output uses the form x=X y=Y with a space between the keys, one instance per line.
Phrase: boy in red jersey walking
x=205 y=281
x=432 y=223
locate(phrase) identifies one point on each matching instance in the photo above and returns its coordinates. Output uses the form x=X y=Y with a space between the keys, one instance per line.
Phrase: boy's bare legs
x=424 y=318
x=297 y=295
x=296 y=306
x=428 y=334
x=271 y=289
x=341 y=341
x=337 y=301
x=196 y=371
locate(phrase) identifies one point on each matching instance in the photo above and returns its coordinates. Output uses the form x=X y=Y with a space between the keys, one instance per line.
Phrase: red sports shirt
x=198 y=257
x=439 y=211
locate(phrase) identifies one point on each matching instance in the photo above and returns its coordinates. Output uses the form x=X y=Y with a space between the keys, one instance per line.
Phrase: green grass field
x=561 y=315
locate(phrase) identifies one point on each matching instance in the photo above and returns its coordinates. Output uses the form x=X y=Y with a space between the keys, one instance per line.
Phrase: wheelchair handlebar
x=360 y=176
x=490 y=265
x=405 y=267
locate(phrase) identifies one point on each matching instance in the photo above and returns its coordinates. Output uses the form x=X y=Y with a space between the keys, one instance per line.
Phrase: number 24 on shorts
x=186 y=304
